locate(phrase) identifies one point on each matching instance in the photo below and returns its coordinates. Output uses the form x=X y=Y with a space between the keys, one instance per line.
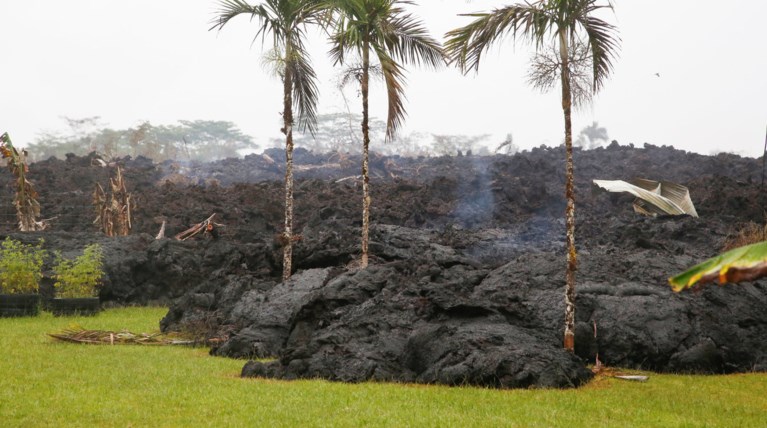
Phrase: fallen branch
x=105 y=337
x=206 y=226
x=604 y=371
x=635 y=378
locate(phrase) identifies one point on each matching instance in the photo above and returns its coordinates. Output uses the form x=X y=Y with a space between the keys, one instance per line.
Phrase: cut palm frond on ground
x=653 y=197
x=741 y=264
x=104 y=337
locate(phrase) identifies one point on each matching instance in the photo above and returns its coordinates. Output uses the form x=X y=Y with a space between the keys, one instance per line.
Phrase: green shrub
x=20 y=266
x=79 y=277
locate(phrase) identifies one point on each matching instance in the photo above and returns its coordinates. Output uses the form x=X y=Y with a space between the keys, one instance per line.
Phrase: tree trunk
x=569 y=338
x=287 y=115
x=365 y=166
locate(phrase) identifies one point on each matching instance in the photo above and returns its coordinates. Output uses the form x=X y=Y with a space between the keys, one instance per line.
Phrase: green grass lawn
x=48 y=383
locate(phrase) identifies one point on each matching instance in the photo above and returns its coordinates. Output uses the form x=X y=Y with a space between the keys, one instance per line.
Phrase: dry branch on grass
x=104 y=337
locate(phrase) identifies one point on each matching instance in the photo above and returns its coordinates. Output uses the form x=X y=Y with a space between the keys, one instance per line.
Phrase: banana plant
x=740 y=264
x=27 y=207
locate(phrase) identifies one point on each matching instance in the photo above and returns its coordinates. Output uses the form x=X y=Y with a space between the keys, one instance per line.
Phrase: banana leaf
x=741 y=264
x=653 y=197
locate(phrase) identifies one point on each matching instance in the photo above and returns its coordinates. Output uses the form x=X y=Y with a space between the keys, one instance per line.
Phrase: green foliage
x=79 y=277
x=202 y=140
x=536 y=22
x=20 y=266
x=740 y=264
x=340 y=132
x=287 y=22
x=394 y=37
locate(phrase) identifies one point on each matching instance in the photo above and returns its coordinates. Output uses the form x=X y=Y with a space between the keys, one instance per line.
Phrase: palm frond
x=285 y=21
x=353 y=73
x=267 y=19
x=344 y=39
x=604 y=44
x=393 y=35
x=394 y=80
x=465 y=45
x=228 y=10
x=305 y=91
x=408 y=40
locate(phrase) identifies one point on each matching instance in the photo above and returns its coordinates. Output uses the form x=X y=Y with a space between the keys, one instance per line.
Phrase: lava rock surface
x=466 y=282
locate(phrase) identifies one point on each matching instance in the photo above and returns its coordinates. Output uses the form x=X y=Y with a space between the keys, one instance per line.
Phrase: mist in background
x=688 y=75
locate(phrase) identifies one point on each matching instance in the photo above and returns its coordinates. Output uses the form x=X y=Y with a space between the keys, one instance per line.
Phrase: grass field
x=49 y=383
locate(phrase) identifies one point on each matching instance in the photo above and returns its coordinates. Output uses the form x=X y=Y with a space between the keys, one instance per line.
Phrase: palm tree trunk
x=365 y=145
x=569 y=339
x=287 y=116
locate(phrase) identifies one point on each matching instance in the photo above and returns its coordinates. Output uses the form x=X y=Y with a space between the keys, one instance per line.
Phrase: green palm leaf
x=285 y=21
x=395 y=37
x=535 y=21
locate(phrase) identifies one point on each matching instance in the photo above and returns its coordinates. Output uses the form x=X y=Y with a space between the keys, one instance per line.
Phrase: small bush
x=751 y=233
x=20 y=267
x=79 y=277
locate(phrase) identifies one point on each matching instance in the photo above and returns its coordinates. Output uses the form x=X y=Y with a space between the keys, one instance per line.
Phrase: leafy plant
x=79 y=277
x=20 y=266
x=741 y=264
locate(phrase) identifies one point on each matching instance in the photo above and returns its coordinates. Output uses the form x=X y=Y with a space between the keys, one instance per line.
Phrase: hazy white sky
x=129 y=61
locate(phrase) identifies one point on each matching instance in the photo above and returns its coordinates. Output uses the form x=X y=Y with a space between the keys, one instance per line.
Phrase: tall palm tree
x=384 y=30
x=562 y=22
x=287 y=22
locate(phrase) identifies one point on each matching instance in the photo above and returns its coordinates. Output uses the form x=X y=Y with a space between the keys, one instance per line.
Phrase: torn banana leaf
x=741 y=264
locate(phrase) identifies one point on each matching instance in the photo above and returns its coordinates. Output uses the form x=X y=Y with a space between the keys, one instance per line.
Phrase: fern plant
x=79 y=277
x=20 y=266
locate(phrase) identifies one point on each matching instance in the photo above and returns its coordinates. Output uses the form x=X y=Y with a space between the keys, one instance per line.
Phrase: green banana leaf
x=741 y=264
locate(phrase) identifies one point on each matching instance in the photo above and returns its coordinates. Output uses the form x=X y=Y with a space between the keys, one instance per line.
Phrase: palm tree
x=286 y=21
x=384 y=30
x=561 y=22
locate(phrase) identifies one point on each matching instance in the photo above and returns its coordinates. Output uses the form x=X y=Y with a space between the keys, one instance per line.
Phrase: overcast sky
x=129 y=61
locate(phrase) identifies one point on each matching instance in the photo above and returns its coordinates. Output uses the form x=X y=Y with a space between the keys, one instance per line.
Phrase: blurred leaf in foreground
x=741 y=264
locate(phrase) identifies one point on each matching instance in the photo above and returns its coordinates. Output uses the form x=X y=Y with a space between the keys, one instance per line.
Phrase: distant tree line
x=201 y=140
x=340 y=132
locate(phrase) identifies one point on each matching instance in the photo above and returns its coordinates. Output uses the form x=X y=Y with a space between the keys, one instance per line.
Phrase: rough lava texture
x=466 y=283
